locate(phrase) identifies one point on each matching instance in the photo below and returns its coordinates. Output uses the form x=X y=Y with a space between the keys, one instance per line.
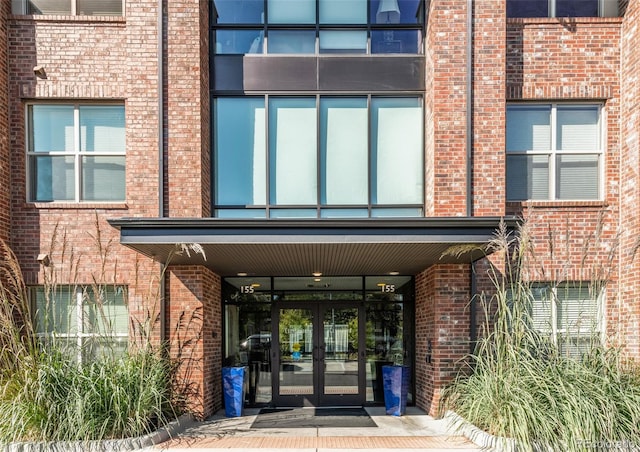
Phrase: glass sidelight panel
x=296 y=373
x=341 y=351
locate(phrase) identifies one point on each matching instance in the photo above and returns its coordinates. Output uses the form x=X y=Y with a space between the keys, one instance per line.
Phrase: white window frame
x=568 y=330
x=553 y=152
x=21 y=7
x=77 y=153
x=81 y=294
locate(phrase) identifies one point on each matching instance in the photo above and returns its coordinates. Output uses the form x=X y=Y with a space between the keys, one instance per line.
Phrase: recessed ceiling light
x=317 y=279
x=242 y=273
x=394 y=273
x=317 y=274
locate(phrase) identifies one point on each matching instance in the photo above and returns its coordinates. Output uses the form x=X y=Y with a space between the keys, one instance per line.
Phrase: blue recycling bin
x=233 y=386
x=395 y=382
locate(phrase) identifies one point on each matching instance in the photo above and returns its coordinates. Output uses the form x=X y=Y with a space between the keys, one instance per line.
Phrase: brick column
x=194 y=332
x=187 y=103
x=489 y=63
x=442 y=329
x=445 y=109
x=629 y=305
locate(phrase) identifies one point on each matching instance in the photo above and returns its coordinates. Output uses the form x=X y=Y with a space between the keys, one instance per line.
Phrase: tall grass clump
x=48 y=394
x=519 y=384
x=59 y=400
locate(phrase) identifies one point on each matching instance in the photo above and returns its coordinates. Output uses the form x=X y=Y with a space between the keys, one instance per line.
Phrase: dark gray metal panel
x=237 y=73
x=371 y=74
x=228 y=73
x=280 y=73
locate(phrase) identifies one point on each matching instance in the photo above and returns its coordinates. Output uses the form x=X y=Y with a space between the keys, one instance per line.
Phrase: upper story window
x=554 y=152
x=318 y=156
x=569 y=313
x=84 y=321
x=317 y=26
x=76 y=152
x=69 y=7
x=562 y=8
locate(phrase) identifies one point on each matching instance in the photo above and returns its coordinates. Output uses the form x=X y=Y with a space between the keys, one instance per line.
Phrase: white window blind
x=399 y=156
x=528 y=128
x=49 y=7
x=343 y=40
x=346 y=173
x=76 y=152
x=292 y=11
x=554 y=152
x=294 y=153
x=259 y=157
x=53 y=128
x=99 y=7
x=343 y=11
x=578 y=176
x=578 y=129
x=102 y=129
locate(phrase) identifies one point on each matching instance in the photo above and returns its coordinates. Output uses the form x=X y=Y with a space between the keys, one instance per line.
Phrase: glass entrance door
x=318 y=354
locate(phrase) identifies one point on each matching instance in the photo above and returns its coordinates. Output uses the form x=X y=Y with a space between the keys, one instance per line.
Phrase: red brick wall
x=629 y=302
x=442 y=319
x=97 y=59
x=5 y=192
x=188 y=109
x=117 y=59
x=445 y=106
x=194 y=325
x=488 y=107
x=573 y=60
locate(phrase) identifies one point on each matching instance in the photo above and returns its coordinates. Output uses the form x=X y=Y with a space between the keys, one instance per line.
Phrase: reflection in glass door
x=340 y=376
x=319 y=354
x=296 y=351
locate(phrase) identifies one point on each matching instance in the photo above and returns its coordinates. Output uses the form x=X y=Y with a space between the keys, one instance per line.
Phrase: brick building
x=187 y=156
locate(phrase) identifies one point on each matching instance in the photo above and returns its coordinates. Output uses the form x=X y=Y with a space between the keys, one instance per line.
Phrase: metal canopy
x=301 y=247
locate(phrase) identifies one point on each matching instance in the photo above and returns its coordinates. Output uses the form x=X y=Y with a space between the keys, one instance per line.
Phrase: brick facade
x=442 y=329
x=629 y=188
x=5 y=193
x=512 y=60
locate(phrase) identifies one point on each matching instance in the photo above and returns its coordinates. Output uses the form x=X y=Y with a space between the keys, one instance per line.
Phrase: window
x=562 y=8
x=86 y=322
x=76 y=152
x=318 y=156
x=569 y=313
x=554 y=152
x=69 y=7
x=317 y=26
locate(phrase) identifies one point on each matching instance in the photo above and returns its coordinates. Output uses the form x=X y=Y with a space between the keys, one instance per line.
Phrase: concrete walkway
x=413 y=431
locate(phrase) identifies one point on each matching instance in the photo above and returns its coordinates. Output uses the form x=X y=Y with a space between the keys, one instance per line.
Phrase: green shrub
x=54 y=398
x=517 y=384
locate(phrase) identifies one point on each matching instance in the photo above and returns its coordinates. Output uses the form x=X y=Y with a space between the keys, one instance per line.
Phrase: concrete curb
x=480 y=438
x=127 y=444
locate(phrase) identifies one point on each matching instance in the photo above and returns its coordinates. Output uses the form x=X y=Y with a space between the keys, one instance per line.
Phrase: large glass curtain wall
x=317 y=26
x=318 y=156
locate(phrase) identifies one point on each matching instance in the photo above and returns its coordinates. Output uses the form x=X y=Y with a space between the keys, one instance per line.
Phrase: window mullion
x=554 y=314
x=80 y=322
x=553 y=176
x=76 y=151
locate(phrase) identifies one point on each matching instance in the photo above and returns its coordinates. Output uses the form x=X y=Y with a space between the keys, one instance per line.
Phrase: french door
x=318 y=353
